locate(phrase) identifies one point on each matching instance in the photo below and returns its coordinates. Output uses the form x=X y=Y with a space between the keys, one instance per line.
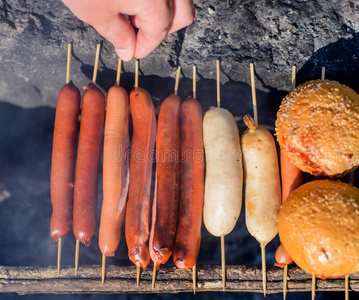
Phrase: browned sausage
x=88 y=158
x=188 y=237
x=139 y=201
x=63 y=160
x=165 y=204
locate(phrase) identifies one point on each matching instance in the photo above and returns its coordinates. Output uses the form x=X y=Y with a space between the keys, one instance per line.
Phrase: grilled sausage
x=88 y=158
x=139 y=198
x=165 y=204
x=188 y=237
x=63 y=160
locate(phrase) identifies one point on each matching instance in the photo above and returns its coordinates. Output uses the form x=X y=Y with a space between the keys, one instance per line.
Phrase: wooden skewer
x=223 y=262
x=94 y=76
x=264 y=269
x=118 y=76
x=254 y=97
x=177 y=80
x=154 y=276
x=59 y=255
x=68 y=62
x=314 y=280
x=138 y=274
x=68 y=68
x=136 y=73
x=77 y=252
x=103 y=271
x=194 y=82
x=285 y=269
x=323 y=73
x=218 y=84
x=346 y=287
x=194 y=269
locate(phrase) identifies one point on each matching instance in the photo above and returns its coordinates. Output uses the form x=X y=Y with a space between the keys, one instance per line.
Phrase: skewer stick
x=138 y=274
x=314 y=281
x=194 y=82
x=285 y=276
x=346 y=287
x=68 y=63
x=194 y=269
x=103 y=268
x=154 y=276
x=223 y=263
x=136 y=73
x=218 y=84
x=96 y=63
x=77 y=252
x=264 y=269
x=194 y=279
x=323 y=73
x=118 y=76
x=285 y=269
x=177 y=80
x=254 y=98
x=59 y=243
x=59 y=255
x=294 y=77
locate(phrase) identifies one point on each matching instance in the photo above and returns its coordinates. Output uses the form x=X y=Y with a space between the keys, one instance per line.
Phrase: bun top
x=318 y=127
x=319 y=227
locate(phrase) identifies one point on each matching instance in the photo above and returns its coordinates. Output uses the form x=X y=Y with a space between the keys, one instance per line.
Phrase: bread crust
x=319 y=225
x=317 y=127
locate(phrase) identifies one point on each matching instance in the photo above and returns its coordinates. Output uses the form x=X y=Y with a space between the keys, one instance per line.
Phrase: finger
x=153 y=23
x=183 y=14
x=119 y=32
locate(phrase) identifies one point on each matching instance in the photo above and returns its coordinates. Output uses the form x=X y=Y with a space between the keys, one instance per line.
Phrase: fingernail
x=124 y=54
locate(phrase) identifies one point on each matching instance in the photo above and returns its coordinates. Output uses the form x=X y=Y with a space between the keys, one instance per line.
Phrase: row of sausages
x=180 y=134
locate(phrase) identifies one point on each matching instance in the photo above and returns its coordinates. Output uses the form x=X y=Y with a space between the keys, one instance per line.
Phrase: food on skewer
x=87 y=164
x=188 y=237
x=317 y=128
x=139 y=198
x=167 y=184
x=116 y=171
x=224 y=174
x=262 y=185
x=319 y=224
x=63 y=159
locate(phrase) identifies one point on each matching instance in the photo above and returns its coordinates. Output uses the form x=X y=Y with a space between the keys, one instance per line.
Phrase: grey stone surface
x=33 y=43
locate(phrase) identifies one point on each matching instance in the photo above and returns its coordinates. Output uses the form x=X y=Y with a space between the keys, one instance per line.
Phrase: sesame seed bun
x=319 y=227
x=318 y=128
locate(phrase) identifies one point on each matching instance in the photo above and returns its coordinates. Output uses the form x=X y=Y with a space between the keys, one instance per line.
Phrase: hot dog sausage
x=63 y=160
x=115 y=170
x=224 y=173
x=262 y=184
x=139 y=201
x=88 y=158
x=165 y=204
x=188 y=236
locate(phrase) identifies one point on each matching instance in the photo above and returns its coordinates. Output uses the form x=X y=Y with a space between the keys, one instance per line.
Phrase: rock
x=275 y=35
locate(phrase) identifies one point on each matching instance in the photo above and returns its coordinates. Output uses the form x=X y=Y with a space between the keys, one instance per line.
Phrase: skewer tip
x=264 y=269
x=285 y=277
x=138 y=273
x=194 y=273
x=154 y=276
x=103 y=268
x=223 y=263
x=77 y=252
x=313 y=286
x=59 y=255
x=346 y=287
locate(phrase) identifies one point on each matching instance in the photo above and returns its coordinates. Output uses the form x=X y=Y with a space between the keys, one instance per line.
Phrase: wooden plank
x=37 y=280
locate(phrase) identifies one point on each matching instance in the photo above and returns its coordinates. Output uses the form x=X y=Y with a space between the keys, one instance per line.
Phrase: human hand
x=154 y=19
